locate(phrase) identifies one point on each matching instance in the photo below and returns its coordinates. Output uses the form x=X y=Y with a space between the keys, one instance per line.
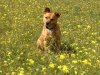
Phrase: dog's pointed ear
x=57 y=14
x=46 y=10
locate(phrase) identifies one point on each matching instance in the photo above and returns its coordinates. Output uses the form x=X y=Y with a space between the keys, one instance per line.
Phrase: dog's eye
x=52 y=19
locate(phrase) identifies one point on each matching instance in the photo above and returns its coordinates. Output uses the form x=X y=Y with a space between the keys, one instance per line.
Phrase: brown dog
x=51 y=32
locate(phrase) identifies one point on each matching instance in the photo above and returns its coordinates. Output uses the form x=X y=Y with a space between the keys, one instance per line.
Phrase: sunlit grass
x=20 y=27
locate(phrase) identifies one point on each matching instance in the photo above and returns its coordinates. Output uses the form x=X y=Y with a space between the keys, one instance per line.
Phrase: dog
x=51 y=34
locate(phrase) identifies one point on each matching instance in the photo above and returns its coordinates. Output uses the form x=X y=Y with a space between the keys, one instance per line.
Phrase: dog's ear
x=57 y=14
x=46 y=10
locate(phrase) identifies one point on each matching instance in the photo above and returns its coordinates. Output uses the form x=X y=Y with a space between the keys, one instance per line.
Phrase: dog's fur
x=51 y=31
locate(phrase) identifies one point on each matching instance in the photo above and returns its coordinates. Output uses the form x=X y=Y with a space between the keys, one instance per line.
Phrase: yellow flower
x=13 y=73
x=21 y=71
x=98 y=61
x=94 y=51
x=5 y=63
x=86 y=62
x=93 y=42
x=52 y=65
x=0 y=71
x=74 y=61
x=75 y=70
x=64 y=32
x=59 y=67
x=65 y=69
x=88 y=27
x=86 y=53
x=79 y=60
x=9 y=53
x=72 y=55
x=31 y=61
x=77 y=48
x=79 y=26
x=62 y=56
x=43 y=58
x=44 y=70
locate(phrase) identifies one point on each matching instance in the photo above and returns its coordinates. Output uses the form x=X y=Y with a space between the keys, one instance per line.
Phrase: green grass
x=20 y=27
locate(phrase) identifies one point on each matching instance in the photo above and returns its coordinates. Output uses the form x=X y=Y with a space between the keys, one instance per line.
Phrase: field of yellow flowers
x=21 y=24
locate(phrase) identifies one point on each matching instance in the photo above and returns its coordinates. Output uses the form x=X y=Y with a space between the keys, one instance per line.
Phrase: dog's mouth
x=49 y=27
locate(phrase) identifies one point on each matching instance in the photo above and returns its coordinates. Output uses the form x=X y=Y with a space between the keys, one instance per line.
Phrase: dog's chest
x=49 y=34
x=49 y=38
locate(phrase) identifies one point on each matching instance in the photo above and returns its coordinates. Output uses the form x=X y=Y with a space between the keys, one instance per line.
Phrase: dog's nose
x=47 y=23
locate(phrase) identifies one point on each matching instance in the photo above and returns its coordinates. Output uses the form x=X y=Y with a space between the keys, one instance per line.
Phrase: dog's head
x=50 y=18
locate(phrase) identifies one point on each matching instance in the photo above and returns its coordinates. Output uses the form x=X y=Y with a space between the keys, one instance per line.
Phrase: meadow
x=21 y=24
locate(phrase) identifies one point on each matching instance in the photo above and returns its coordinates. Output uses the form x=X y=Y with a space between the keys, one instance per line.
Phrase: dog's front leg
x=45 y=46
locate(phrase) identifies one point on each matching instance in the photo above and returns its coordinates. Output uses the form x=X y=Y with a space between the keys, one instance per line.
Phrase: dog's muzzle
x=47 y=23
x=48 y=26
